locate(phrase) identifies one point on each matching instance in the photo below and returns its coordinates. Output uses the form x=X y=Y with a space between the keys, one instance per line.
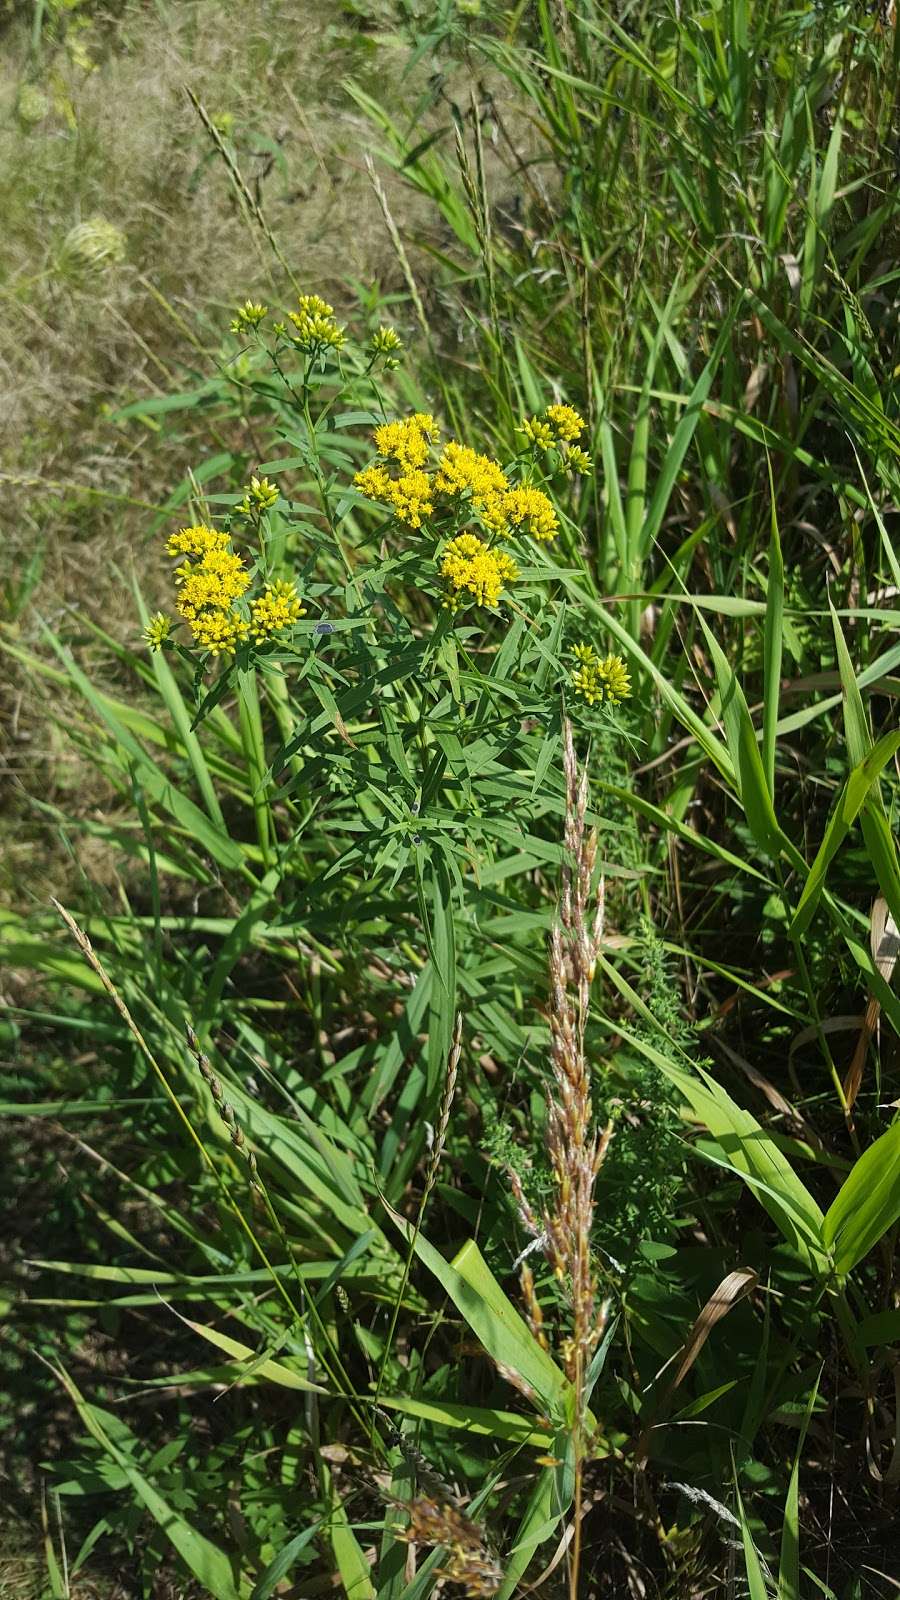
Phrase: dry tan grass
x=123 y=142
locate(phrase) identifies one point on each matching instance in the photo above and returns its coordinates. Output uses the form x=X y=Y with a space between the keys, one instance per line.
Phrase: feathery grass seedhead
x=440 y=1137
x=575 y=1149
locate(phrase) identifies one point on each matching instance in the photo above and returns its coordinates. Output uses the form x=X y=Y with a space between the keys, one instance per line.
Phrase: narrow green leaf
x=772 y=645
x=849 y=804
x=491 y=1315
x=209 y=1565
x=789 y=1564
x=540 y=1518
x=756 y=1582
x=280 y=1565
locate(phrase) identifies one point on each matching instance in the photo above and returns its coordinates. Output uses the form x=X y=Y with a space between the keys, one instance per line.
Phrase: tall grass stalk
x=575 y=1147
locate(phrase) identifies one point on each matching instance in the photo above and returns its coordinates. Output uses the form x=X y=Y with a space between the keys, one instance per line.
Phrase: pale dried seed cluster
x=468 y=1561
x=440 y=1137
x=575 y=1148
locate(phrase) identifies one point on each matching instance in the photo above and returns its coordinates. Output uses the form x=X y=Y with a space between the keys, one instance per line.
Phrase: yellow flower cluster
x=277 y=607
x=463 y=471
x=196 y=541
x=315 y=325
x=248 y=316
x=157 y=630
x=529 y=508
x=538 y=432
x=565 y=422
x=578 y=460
x=557 y=429
x=409 y=495
x=600 y=678
x=386 y=341
x=469 y=566
x=260 y=494
x=209 y=583
x=217 y=580
x=461 y=475
x=406 y=440
x=219 y=632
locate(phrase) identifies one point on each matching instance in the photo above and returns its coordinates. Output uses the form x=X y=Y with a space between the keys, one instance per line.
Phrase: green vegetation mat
x=450 y=902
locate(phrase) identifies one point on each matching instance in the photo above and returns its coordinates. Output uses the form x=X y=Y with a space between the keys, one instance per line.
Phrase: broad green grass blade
x=280 y=1565
x=752 y=1154
x=540 y=1519
x=708 y=741
x=274 y=1371
x=491 y=1315
x=880 y=844
x=753 y=790
x=868 y=1203
x=156 y=783
x=354 y=1570
x=181 y=721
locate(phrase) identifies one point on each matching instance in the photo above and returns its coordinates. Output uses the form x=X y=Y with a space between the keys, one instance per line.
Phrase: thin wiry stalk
x=430 y=1178
x=575 y=1147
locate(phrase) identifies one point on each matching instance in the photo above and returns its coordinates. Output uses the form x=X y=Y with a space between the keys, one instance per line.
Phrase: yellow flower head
x=530 y=509
x=538 y=432
x=410 y=495
x=600 y=678
x=463 y=471
x=219 y=632
x=277 y=607
x=217 y=580
x=157 y=630
x=374 y=482
x=209 y=582
x=407 y=439
x=259 y=495
x=565 y=422
x=578 y=460
x=196 y=541
x=470 y=567
x=385 y=341
x=248 y=316
x=315 y=327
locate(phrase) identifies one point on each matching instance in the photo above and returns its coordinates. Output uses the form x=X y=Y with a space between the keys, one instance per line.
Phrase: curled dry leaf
x=732 y=1289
